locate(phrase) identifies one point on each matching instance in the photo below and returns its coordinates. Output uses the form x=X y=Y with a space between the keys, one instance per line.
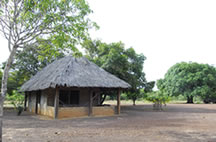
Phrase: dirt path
x=177 y=123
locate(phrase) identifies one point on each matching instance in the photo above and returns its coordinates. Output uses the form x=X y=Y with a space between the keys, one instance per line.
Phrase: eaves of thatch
x=73 y=72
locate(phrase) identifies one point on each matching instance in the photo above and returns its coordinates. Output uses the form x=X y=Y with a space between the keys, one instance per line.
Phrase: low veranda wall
x=49 y=111
x=71 y=112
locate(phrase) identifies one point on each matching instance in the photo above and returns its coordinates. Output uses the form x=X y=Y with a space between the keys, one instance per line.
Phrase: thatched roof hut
x=71 y=87
x=73 y=72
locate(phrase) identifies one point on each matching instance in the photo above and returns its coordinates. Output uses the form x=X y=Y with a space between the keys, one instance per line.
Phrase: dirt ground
x=177 y=123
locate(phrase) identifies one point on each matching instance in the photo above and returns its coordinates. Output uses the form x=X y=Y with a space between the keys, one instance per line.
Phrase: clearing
x=177 y=123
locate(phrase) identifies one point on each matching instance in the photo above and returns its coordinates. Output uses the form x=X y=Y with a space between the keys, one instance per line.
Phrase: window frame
x=69 y=94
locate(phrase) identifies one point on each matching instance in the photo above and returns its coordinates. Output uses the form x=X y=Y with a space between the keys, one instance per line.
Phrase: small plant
x=19 y=110
x=124 y=96
x=158 y=98
x=17 y=99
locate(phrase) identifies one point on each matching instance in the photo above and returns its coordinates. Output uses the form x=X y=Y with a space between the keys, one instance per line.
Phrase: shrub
x=158 y=98
x=124 y=96
x=17 y=99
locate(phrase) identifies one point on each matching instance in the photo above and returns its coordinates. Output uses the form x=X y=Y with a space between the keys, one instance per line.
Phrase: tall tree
x=59 y=23
x=190 y=80
x=27 y=62
x=124 y=63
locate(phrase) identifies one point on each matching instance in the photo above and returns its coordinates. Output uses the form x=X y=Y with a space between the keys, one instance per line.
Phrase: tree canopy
x=124 y=63
x=27 y=62
x=190 y=79
x=62 y=22
x=48 y=26
x=13 y=81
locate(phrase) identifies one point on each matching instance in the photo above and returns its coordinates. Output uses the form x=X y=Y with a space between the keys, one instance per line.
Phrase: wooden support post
x=118 y=101
x=25 y=101
x=98 y=98
x=90 y=102
x=56 y=103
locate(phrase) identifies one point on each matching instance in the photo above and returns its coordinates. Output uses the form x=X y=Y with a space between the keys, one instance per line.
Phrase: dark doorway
x=38 y=102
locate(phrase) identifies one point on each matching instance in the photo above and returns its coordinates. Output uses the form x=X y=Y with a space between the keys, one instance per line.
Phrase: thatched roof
x=73 y=72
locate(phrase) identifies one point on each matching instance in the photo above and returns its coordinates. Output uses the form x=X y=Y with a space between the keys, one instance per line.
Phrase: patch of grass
x=8 y=104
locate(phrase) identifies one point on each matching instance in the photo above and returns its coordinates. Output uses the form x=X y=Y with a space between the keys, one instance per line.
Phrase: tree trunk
x=134 y=102
x=1 y=115
x=190 y=99
x=4 y=85
x=119 y=101
x=103 y=99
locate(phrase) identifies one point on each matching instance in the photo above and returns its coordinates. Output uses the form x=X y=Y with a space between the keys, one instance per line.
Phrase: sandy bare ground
x=177 y=123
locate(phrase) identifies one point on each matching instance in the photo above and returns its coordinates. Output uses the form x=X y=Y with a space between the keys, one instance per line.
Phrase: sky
x=165 y=31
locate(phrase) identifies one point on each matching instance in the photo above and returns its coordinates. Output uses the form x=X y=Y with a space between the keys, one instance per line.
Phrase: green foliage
x=27 y=63
x=179 y=98
x=49 y=25
x=67 y=16
x=190 y=80
x=13 y=83
x=70 y=24
x=183 y=99
x=124 y=96
x=123 y=63
x=42 y=29
x=149 y=86
x=158 y=96
x=17 y=99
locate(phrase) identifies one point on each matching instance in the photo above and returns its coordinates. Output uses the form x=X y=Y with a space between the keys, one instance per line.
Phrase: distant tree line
x=182 y=79
x=190 y=80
